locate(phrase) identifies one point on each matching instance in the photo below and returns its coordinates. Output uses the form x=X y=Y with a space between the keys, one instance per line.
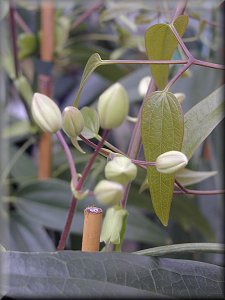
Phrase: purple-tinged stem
x=69 y=157
x=21 y=23
x=89 y=164
x=145 y=61
x=195 y=192
x=66 y=230
x=208 y=64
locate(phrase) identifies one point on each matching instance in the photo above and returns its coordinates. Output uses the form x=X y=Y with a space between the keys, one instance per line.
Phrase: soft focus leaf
x=188 y=177
x=24 y=88
x=27 y=44
x=162 y=131
x=201 y=119
x=18 y=129
x=93 y=62
x=27 y=235
x=79 y=274
x=4 y=9
x=91 y=122
x=160 y=44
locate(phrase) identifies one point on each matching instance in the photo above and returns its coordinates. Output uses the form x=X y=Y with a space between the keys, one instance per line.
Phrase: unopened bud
x=143 y=85
x=113 y=106
x=171 y=162
x=113 y=226
x=180 y=97
x=46 y=113
x=121 y=170
x=73 y=121
x=108 y=192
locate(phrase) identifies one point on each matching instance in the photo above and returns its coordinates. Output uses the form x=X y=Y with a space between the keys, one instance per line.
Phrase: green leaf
x=188 y=177
x=201 y=119
x=160 y=44
x=18 y=129
x=79 y=274
x=162 y=131
x=93 y=62
x=185 y=177
x=4 y=9
x=27 y=235
x=27 y=44
x=24 y=88
x=91 y=122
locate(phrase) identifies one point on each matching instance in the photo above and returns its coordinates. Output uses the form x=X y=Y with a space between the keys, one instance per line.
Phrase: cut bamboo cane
x=45 y=83
x=92 y=229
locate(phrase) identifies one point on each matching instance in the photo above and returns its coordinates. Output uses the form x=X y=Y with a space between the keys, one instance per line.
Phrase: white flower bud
x=46 y=113
x=108 y=192
x=73 y=121
x=143 y=85
x=121 y=170
x=113 y=225
x=180 y=97
x=171 y=162
x=113 y=106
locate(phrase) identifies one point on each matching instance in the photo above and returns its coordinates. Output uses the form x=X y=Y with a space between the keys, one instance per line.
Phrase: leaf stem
x=195 y=192
x=182 y=248
x=148 y=62
x=69 y=157
x=13 y=35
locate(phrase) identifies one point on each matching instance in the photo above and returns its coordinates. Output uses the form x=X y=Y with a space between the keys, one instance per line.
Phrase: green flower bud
x=73 y=121
x=180 y=97
x=46 y=113
x=113 y=106
x=121 y=170
x=108 y=192
x=113 y=226
x=171 y=162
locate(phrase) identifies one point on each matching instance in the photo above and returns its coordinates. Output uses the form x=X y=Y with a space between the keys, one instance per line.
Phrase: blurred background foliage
x=37 y=209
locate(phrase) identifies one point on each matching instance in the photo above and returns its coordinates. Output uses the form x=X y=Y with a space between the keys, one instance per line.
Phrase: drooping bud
x=121 y=170
x=73 y=121
x=171 y=162
x=143 y=85
x=108 y=192
x=113 y=227
x=113 y=106
x=46 y=113
x=180 y=97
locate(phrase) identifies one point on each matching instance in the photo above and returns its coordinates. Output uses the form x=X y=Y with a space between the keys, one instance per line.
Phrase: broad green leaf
x=93 y=62
x=201 y=119
x=160 y=44
x=97 y=275
x=27 y=44
x=91 y=122
x=162 y=131
x=188 y=177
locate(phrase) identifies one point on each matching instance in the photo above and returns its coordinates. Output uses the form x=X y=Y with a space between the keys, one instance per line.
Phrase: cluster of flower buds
x=171 y=162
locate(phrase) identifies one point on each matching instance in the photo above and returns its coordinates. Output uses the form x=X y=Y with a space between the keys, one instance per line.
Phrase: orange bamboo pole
x=92 y=229
x=45 y=83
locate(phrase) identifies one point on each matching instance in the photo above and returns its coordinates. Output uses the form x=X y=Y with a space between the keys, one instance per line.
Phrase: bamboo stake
x=45 y=83
x=92 y=229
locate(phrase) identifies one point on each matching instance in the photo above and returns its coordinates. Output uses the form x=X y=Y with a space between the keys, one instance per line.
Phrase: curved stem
x=195 y=192
x=89 y=164
x=182 y=248
x=68 y=156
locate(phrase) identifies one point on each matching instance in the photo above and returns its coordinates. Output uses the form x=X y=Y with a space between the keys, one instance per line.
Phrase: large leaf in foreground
x=79 y=274
x=201 y=119
x=162 y=131
x=160 y=44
